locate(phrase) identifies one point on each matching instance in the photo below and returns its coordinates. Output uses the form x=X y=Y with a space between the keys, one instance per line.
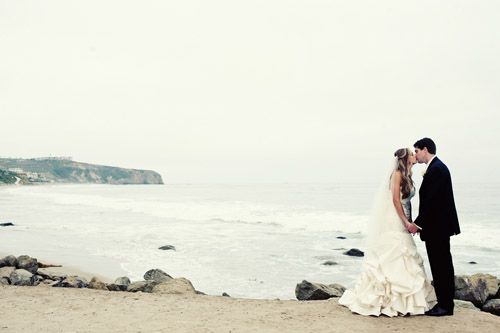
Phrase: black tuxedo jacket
x=437 y=215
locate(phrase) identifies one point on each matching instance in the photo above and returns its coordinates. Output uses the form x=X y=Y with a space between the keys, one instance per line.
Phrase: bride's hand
x=412 y=228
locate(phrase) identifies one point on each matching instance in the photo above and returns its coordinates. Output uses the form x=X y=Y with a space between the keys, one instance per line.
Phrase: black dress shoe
x=433 y=309
x=439 y=312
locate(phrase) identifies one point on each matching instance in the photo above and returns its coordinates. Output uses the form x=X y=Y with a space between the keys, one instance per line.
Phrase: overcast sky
x=252 y=91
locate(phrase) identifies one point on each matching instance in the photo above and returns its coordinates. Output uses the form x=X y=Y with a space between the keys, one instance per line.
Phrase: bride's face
x=412 y=159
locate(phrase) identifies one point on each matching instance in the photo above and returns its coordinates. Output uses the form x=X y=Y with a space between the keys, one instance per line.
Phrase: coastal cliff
x=36 y=171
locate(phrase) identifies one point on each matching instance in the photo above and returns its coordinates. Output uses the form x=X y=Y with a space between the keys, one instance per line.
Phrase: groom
x=437 y=220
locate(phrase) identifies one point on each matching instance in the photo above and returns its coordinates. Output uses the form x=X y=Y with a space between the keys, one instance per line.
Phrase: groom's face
x=420 y=155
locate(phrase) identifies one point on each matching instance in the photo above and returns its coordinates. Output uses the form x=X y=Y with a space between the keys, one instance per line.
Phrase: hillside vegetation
x=67 y=171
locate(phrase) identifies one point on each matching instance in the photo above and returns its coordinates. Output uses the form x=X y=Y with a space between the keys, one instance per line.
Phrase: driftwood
x=40 y=265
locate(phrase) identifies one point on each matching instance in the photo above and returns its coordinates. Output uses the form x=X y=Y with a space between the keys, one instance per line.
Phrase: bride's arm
x=396 y=198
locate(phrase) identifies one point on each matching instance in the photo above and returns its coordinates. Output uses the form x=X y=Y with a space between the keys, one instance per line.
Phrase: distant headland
x=46 y=170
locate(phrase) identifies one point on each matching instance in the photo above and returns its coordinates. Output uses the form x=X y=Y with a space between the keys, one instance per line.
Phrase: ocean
x=250 y=241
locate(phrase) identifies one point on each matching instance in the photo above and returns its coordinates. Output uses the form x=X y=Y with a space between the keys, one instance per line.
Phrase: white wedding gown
x=393 y=281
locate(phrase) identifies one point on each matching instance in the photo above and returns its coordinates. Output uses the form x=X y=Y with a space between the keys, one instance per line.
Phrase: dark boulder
x=9 y=261
x=355 y=253
x=308 y=291
x=69 y=282
x=27 y=263
x=47 y=274
x=113 y=287
x=477 y=288
x=492 y=306
x=95 y=283
x=82 y=282
x=167 y=247
x=329 y=263
x=5 y=272
x=45 y=281
x=144 y=286
x=122 y=282
x=21 y=277
x=465 y=304
x=157 y=275
x=72 y=282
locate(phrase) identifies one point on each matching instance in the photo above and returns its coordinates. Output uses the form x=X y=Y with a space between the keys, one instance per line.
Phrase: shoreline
x=97 y=236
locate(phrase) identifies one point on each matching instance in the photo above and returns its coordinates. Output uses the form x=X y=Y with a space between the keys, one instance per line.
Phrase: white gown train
x=393 y=281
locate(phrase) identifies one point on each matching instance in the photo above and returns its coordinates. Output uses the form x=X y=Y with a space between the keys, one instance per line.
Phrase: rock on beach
x=309 y=291
x=27 y=263
x=157 y=275
x=47 y=274
x=479 y=291
x=95 y=283
x=492 y=306
x=122 y=283
x=179 y=286
x=71 y=282
x=355 y=253
x=21 y=277
x=113 y=287
x=465 y=304
x=9 y=261
x=144 y=286
x=477 y=288
x=167 y=247
x=5 y=272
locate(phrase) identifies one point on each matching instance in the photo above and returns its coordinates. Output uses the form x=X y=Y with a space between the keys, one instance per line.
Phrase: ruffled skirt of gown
x=393 y=281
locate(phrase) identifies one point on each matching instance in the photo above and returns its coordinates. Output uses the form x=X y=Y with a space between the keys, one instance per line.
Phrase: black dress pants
x=443 y=274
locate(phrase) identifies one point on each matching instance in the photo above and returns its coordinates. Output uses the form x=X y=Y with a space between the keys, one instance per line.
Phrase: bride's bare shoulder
x=397 y=177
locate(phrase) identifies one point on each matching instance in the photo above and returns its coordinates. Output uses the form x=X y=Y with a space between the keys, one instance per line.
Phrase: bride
x=393 y=281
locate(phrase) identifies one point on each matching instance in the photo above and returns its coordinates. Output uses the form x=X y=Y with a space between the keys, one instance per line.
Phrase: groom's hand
x=412 y=228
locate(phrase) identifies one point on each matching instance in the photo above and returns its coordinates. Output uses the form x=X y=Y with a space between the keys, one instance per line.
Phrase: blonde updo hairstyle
x=404 y=165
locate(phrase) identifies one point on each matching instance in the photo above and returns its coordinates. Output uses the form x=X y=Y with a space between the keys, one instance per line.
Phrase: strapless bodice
x=406 y=203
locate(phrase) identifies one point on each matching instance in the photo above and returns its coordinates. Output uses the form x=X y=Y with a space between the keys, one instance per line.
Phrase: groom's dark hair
x=426 y=142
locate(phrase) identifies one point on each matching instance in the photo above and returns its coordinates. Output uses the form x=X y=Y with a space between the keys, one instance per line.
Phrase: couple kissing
x=393 y=281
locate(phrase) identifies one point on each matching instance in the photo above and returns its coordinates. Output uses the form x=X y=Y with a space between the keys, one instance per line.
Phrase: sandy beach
x=47 y=309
